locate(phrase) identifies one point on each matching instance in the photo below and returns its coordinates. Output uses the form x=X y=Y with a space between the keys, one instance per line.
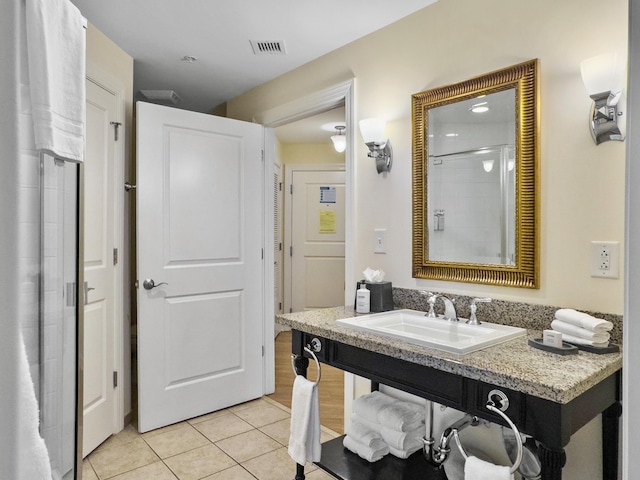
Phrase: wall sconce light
x=339 y=139
x=487 y=165
x=372 y=130
x=603 y=77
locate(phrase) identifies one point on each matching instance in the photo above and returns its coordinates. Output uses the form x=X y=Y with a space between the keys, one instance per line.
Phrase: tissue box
x=381 y=296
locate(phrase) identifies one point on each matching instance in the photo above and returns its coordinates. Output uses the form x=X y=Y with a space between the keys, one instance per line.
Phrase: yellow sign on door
x=327 y=221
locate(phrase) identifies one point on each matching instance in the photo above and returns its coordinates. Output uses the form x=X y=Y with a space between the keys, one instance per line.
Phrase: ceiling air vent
x=275 y=47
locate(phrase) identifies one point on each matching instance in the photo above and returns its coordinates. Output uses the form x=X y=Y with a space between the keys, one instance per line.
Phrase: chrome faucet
x=449 y=307
x=473 y=320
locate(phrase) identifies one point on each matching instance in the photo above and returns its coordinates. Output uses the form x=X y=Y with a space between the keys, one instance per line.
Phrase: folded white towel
x=476 y=469
x=573 y=330
x=364 y=434
x=56 y=44
x=368 y=453
x=401 y=416
x=584 y=320
x=368 y=406
x=304 y=440
x=395 y=438
x=406 y=452
x=582 y=341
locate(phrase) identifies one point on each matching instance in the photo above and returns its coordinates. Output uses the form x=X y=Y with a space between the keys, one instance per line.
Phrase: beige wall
x=106 y=58
x=582 y=185
x=309 y=153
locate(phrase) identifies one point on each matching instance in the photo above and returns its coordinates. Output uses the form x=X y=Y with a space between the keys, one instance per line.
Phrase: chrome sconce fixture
x=603 y=77
x=372 y=130
x=339 y=139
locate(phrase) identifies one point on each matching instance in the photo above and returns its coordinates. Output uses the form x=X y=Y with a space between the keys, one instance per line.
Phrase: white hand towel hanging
x=304 y=440
x=56 y=46
x=476 y=469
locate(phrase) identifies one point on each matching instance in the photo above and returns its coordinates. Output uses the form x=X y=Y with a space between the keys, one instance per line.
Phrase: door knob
x=148 y=284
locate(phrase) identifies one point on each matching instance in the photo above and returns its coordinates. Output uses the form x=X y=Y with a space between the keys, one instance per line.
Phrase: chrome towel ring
x=308 y=350
x=490 y=406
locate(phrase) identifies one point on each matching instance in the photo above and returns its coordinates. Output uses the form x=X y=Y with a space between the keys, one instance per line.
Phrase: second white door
x=315 y=238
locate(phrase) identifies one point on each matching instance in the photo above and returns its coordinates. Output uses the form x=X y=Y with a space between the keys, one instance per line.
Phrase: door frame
x=288 y=211
x=106 y=81
x=313 y=104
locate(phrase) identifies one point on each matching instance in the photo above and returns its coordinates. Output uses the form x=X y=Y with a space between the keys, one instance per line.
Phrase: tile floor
x=245 y=442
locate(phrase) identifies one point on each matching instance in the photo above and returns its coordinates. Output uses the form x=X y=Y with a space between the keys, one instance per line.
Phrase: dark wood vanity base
x=550 y=423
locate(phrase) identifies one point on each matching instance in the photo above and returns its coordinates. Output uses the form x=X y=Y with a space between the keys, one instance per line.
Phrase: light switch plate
x=380 y=240
x=605 y=259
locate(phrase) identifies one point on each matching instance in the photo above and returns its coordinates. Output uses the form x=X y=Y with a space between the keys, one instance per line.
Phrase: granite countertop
x=512 y=364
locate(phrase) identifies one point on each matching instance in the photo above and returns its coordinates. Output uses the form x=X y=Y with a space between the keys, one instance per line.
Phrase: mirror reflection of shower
x=471 y=201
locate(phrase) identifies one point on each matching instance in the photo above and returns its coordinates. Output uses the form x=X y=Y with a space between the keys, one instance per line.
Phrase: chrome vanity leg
x=610 y=436
x=300 y=363
x=552 y=462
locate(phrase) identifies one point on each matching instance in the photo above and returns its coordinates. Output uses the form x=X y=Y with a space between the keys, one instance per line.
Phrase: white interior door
x=316 y=239
x=200 y=240
x=99 y=269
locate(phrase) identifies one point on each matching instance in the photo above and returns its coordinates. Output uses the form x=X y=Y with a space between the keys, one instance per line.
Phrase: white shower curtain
x=23 y=454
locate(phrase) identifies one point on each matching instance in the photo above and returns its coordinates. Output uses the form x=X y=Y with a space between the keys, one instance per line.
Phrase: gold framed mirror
x=476 y=179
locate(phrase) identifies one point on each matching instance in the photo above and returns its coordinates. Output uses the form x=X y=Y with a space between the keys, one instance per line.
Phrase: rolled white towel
x=364 y=434
x=401 y=416
x=573 y=330
x=583 y=320
x=368 y=406
x=583 y=341
x=368 y=453
x=395 y=438
x=406 y=452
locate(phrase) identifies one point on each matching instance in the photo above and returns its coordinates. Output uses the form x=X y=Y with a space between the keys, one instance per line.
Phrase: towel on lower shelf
x=364 y=434
x=395 y=438
x=368 y=453
x=368 y=406
x=401 y=416
x=584 y=320
x=476 y=469
x=583 y=341
x=304 y=440
x=573 y=330
x=406 y=452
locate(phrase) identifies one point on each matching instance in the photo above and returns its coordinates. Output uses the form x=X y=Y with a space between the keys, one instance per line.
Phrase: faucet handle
x=432 y=301
x=473 y=320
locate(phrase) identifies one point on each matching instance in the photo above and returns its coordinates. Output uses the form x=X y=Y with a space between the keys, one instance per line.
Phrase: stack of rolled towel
x=382 y=424
x=582 y=329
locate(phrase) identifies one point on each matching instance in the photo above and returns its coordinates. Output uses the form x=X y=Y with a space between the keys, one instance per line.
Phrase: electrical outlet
x=379 y=240
x=604 y=259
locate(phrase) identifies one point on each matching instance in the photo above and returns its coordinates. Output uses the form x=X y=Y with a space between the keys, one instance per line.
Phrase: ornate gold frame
x=525 y=273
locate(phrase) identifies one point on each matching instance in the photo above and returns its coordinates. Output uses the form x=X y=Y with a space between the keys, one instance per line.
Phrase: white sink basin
x=414 y=327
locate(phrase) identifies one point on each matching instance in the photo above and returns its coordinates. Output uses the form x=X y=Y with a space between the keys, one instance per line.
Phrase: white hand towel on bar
x=583 y=320
x=476 y=469
x=370 y=454
x=368 y=406
x=304 y=440
x=400 y=415
x=364 y=434
x=56 y=46
x=583 y=341
x=569 y=329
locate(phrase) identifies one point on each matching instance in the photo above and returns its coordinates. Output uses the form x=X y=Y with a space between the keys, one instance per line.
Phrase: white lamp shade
x=603 y=73
x=487 y=165
x=339 y=143
x=372 y=130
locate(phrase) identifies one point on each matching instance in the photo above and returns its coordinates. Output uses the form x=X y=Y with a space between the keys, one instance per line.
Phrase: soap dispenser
x=363 y=299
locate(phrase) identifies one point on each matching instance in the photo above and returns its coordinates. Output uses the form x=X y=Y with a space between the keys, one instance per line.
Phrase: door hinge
x=280 y=306
x=291 y=189
x=262 y=254
x=115 y=256
x=263 y=350
x=291 y=251
x=280 y=186
x=262 y=155
x=115 y=379
x=280 y=247
x=115 y=131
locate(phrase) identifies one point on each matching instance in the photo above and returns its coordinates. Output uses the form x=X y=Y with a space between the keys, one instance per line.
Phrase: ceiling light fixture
x=339 y=139
x=480 y=108
x=487 y=165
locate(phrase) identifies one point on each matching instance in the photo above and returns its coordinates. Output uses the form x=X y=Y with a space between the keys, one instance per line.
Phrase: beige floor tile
x=176 y=441
x=276 y=465
x=208 y=416
x=198 y=463
x=119 y=458
x=249 y=404
x=159 y=431
x=279 y=431
x=87 y=471
x=155 y=471
x=233 y=473
x=222 y=427
x=261 y=414
x=248 y=445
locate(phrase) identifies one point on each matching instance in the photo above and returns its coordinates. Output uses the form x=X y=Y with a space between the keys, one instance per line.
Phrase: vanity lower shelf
x=341 y=463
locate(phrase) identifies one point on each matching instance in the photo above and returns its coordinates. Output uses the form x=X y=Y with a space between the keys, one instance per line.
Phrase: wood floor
x=330 y=389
